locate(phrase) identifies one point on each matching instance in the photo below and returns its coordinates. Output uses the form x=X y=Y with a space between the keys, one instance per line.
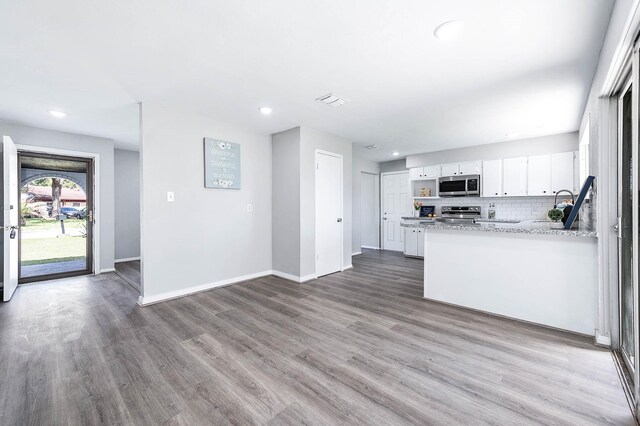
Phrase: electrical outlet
x=249 y=207
x=171 y=197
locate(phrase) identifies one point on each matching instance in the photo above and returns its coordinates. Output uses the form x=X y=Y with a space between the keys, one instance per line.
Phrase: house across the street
x=68 y=197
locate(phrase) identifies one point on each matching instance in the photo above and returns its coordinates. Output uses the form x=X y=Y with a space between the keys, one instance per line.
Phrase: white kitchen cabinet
x=469 y=168
x=514 y=176
x=414 y=242
x=562 y=172
x=411 y=242
x=424 y=173
x=420 y=250
x=459 y=169
x=492 y=178
x=450 y=169
x=539 y=175
x=416 y=173
x=431 y=172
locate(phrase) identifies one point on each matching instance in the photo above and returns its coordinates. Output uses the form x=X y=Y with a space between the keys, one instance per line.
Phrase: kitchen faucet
x=567 y=209
x=573 y=199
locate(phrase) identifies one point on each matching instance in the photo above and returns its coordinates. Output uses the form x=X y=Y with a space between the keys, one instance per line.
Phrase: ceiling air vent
x=372 y=147
x=332 y=100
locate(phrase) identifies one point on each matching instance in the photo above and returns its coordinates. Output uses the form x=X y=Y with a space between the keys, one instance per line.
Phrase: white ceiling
x=521 y=66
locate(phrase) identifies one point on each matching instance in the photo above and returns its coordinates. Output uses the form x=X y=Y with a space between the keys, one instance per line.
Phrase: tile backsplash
x=521 y=208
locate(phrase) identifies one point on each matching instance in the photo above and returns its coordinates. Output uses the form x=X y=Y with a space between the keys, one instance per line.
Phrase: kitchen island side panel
x=545 y=279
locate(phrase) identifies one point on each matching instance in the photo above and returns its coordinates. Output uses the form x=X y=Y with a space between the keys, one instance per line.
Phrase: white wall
x=311 y=140
x=127 y=204
x=543 y=145
x=286 y=201
x=104 y=218
x=206 y=237
x=294 y=223
x=362 y=196
x=393 y=166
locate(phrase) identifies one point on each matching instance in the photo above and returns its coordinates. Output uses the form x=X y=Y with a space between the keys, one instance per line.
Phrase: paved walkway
x=52 y=233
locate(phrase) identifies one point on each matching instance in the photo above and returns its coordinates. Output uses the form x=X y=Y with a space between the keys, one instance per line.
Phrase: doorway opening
x=56 y=216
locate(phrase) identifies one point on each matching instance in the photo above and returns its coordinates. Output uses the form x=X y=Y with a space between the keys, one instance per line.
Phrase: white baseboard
x=126 y=259
x=294 y=278
x=309 y=277
x=371 y=248
x=149 y=300
x=603 y=340
x=344 y=268
x=356 y=253
x=104 y=271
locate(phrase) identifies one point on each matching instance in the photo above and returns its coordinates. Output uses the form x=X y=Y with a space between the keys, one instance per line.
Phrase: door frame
x=97 y=208
x=628 y=82
x=315 y=222
x=382 y=227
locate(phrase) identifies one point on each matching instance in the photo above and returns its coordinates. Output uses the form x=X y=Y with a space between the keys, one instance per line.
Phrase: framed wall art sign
x=221 y=164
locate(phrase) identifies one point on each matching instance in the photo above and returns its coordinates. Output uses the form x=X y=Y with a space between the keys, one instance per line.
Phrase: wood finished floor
x=358 y=347
x=130 y=272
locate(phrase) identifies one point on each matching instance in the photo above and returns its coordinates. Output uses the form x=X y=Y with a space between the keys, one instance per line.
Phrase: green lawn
x=36 y=251
x=38 y=224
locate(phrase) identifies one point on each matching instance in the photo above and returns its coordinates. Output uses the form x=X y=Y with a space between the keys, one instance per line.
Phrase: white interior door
x=396 y=202
x=10 y=217
x=328 y=213
x=370 y=213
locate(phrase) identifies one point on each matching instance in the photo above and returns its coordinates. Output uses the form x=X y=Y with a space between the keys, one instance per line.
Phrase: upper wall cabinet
x=415 y=173
x=514 y=176
x=450 y=169
x=431 y=172
x=470 y=168
x=492 y=178
x=562 y=172
x=458 y=169
x=539 y=175
x=421 y=173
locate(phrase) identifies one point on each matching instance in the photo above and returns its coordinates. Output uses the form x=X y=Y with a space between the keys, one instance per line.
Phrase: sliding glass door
x=627 y=287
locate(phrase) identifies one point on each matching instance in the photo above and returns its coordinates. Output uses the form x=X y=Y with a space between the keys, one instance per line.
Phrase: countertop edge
x=505 y=230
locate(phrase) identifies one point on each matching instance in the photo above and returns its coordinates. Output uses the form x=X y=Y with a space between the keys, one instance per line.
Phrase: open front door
x=10 y=217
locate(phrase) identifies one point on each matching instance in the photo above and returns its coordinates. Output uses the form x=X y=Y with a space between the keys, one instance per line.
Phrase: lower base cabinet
x=414 y=242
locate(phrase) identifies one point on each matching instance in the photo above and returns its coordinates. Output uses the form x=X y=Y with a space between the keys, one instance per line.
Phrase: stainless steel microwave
x=459 y=186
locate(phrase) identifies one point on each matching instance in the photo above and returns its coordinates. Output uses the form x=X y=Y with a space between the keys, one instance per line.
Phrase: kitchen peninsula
x=520 y=270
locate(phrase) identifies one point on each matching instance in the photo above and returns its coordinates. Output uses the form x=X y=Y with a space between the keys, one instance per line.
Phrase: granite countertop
x=524 y=227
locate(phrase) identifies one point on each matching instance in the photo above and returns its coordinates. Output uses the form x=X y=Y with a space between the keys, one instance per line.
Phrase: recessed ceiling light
x=395 y=153
x=265 y=110
x=57 y=114
x=449 y=30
